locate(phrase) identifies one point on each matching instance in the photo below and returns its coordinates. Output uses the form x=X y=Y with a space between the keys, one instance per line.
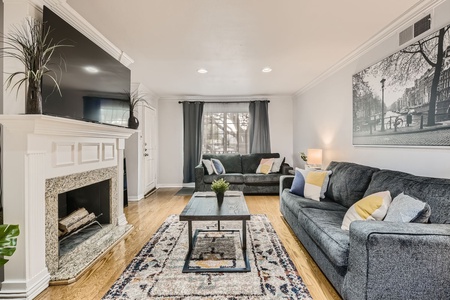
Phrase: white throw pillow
x=277 y=162
x=208 y=166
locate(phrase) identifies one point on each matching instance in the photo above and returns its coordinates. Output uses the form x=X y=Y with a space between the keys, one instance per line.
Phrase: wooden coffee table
x=203 y=206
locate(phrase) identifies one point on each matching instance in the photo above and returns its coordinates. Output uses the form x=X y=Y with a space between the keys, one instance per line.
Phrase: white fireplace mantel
x=34 y=149
x=49 y=125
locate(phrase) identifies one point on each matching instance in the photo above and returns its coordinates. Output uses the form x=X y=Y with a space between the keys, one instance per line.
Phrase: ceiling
x=234 y=40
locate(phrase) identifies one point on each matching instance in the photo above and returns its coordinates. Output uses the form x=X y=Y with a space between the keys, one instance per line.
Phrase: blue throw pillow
x=298 y=185
x=217 y=166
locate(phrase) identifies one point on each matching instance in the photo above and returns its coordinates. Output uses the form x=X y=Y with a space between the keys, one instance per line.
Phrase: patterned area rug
x=155 y=273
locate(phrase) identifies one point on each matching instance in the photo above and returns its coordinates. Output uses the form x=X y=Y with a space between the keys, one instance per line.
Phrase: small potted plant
x=303 y=156
x=220 y=186
x=134 y=99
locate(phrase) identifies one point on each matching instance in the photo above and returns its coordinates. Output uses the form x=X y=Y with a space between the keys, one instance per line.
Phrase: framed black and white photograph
x=404 y=100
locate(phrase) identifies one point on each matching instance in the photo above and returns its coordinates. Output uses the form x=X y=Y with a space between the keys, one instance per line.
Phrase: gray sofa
x=241 y=173
x=375 y=259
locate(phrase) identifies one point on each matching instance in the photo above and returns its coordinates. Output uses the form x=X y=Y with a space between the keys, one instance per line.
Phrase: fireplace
x=43 y=157
x=66 y=193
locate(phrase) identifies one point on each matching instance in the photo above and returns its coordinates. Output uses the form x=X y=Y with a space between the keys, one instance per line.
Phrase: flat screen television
x=93 y=84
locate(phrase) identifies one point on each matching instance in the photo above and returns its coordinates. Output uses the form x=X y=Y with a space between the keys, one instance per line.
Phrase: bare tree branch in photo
x=416 y=59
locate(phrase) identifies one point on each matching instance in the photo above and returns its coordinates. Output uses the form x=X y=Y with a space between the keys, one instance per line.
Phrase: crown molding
x=402 y=21
x=221 y=98
x=71 y=16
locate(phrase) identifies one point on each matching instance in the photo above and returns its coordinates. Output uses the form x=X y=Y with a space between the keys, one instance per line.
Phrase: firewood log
x=71 y=219
x=84 y=221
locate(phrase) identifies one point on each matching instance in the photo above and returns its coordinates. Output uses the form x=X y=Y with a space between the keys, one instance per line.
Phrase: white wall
x=323 y=119
x=170 y=116
x=281 y=131
x=170 y=143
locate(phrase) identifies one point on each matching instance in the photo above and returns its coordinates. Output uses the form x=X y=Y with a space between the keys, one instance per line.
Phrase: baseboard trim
x=170 y=185
x=39 y=283
x=153 y=190
x=135 y=199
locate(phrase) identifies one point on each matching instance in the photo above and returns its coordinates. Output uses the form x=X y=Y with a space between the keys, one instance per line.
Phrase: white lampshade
x=314 y=156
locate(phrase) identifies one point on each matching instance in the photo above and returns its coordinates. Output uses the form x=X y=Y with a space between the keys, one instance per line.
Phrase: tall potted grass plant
x=32 y=45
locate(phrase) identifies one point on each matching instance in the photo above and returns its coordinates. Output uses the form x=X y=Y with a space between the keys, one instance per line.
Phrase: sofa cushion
x=348 y=182
x=324 y=228
x=230 y=177
x=296 y=203
x=250 y=162
x=231 y=162
x=262 y=178
x=434 y=191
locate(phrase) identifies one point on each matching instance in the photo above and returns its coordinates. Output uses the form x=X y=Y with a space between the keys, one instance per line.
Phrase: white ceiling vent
x=415 y=30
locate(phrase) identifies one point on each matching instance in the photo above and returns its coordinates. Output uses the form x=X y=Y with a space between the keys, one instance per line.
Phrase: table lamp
x=314 y=158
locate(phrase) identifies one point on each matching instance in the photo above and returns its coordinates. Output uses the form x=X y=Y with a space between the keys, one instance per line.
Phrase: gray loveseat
x=241 y=173
x=375 y=259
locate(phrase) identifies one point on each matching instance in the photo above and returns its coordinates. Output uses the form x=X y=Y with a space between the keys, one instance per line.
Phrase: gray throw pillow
x=406 y=209
x=217 y=166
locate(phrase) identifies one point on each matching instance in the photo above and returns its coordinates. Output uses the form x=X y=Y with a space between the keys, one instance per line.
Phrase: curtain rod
x=232 y=102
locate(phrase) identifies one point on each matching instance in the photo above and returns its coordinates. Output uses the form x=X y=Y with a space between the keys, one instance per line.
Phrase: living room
x=311 y=108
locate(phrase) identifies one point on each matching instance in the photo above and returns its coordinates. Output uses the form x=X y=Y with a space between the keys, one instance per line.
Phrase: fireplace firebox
x=94 y=198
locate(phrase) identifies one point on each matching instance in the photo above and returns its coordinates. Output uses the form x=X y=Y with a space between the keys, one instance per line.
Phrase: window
x=225 y=128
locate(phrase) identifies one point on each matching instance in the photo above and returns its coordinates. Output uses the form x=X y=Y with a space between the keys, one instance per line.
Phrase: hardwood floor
x=148 y=214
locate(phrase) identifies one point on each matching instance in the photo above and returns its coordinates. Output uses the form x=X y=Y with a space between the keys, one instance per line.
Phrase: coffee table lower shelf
x=193 y=239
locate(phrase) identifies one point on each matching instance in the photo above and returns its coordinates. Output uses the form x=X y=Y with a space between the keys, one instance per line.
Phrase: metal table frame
x=193 y=239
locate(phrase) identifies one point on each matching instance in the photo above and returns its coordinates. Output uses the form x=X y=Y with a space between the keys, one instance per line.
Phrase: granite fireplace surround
x=42 y=156
x=62 y=184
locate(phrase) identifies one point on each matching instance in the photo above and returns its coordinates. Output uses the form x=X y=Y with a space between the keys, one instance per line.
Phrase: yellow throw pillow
x=316 y=184
x=370 y=208
x=265 y=166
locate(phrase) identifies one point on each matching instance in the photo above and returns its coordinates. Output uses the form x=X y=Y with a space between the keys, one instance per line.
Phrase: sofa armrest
x=199 y=175
x=285 y=168
x=285 y=182
x=398 y=261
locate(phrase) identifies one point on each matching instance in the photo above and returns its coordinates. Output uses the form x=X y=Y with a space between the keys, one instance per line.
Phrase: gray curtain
x=259 y=127
x=192 y=138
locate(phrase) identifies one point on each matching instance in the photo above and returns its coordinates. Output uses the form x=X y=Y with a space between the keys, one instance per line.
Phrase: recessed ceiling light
x=91 y=69
x=202 y=71
x=267 y=70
